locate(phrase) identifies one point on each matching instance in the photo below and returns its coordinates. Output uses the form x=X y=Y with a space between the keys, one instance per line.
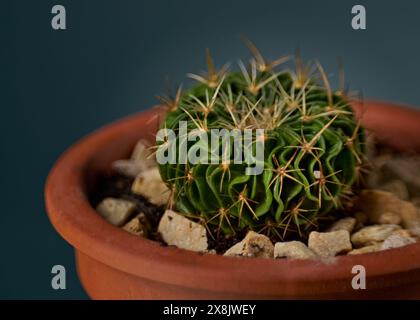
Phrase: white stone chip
x=373 y=234
x=115 y=211
x=150 y=185
x=127 y=168
x=137 y=225
x=396 y=241
x=141 y=160
x=329 y=244
x=293 y=250
x=179 y=231
x=253 y=245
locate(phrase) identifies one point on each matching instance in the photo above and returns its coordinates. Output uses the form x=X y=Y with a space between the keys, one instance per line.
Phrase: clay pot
x=113 y=264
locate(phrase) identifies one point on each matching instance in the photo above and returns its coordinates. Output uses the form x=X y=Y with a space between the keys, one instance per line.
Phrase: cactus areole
x=312 y=149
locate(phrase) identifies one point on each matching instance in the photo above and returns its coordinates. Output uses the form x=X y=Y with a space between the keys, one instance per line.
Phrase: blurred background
x=114 y=57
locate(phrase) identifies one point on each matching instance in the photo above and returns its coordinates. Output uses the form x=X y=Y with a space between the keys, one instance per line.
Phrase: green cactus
x=313 y=148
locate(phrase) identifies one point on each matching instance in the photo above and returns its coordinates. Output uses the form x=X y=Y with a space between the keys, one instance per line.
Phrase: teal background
x=57 y=86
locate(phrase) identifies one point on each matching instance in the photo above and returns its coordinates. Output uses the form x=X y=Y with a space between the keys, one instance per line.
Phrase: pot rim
x=78 y=223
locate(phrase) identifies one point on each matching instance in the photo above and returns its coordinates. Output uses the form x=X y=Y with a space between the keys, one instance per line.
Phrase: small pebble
x=128 y=168
x=396 y=241
x=181 y=232
x=150 y=185
x=329 y=244
x=253 y=245
x=373 y=234
x=140 y=161
x=293 y=250
x=116 y=211
x=137 y=225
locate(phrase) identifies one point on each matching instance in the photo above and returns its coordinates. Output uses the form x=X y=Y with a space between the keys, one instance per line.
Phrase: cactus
x=313 y=148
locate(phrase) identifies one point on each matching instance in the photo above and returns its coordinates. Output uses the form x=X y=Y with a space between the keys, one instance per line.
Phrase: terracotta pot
x=113 y=264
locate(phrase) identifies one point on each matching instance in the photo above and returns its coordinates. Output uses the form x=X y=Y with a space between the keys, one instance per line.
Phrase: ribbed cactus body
x=312 y=151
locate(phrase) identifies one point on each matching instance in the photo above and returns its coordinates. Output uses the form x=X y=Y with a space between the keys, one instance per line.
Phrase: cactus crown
x=313 y=148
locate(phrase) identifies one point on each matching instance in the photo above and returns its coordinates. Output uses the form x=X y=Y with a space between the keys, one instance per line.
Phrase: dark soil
x=222 y=244
x=119 y=186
